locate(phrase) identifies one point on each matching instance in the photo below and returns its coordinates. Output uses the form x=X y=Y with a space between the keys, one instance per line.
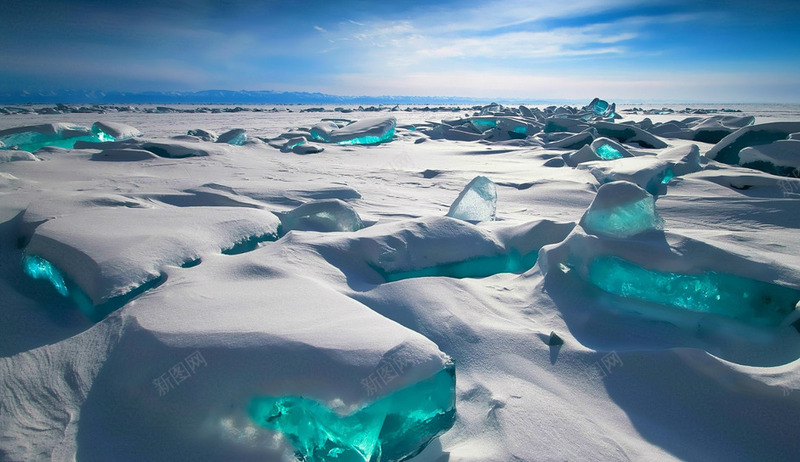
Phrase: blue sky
x=713 y=51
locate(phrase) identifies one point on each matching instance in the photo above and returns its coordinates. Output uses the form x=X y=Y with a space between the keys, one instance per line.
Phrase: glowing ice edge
x=39 y=268
x=748 y=300
x=395 y=427
x=479 y=267
x=371 y=139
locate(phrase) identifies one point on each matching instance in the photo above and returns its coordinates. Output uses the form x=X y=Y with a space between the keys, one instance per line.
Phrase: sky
x=670 y=51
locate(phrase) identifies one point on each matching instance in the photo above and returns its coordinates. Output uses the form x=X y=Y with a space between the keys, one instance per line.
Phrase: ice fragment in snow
x=236 y=137
x=292 y=142
x=668 y=175
x=483 y=124
x=621 y=209
x=323 y=215
x=477 y=202
x=601 y=108
x=727 y=150
x=393 y=428
x=554 y=339
x=779 y=158
x=748 y=300
x=368 y=131
x=606 y=151
x=39 y=268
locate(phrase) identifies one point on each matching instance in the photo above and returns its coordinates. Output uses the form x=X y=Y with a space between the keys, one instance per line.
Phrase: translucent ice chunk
x=368 y=131
x=482 y=125
x=39 y=268
x=477 y=202
x=394 y=428
x=292 y=142
x=598 y=106
x=748 y=300
x=323 y=215
x=608 y=152
x=621 y=209
x=236 y=137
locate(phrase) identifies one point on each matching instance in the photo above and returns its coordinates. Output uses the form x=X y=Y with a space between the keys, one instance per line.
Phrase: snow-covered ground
x=186 y=285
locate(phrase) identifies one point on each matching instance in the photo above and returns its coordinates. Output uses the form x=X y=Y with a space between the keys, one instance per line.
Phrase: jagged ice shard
x=601 y=108
x=621 y=209
x=477 y=202
x=393 y=428
x=608 y=152
x=235 y=137
x=748 y=300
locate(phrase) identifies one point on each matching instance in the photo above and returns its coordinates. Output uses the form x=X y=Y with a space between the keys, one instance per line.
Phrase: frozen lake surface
x=497 y=283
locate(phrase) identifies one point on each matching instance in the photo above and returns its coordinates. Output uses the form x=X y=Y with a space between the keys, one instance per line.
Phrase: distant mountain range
x=218 y=97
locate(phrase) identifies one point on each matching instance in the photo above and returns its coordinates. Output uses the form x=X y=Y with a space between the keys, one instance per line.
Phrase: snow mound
x=727 y=150
x=123 y=155
x=125 y=249
x=205 y=377
x=15 y=156
x=203 y=135
x=629 y=134
x=651 y=173
x=779 y=158
x=114 y=131
x=177 y=149
x=710 y=129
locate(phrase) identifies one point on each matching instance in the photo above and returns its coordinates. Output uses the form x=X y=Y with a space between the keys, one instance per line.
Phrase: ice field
x=488 y=283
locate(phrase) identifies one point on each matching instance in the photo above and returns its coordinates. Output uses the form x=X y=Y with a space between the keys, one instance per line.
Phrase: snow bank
x=127 y=248
x=727 y=150
x=114 y=131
